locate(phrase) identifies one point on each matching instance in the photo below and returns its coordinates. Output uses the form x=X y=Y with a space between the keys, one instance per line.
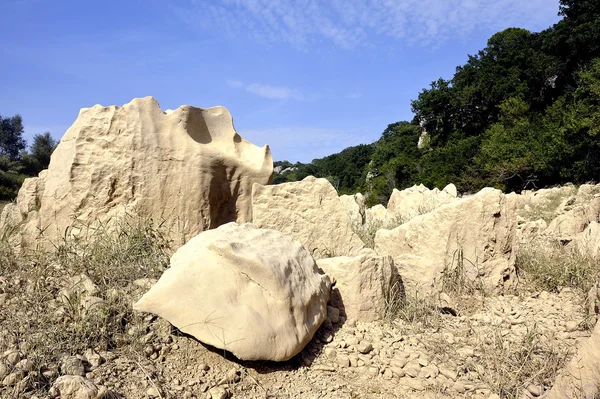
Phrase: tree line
x=18 y=162
x=522 y=113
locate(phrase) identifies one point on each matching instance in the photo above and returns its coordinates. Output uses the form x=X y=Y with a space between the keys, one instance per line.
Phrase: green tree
x=40 y=151
x=11 y=136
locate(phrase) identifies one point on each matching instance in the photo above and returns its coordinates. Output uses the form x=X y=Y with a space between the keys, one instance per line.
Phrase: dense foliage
x=16 y=163
x=522 y=113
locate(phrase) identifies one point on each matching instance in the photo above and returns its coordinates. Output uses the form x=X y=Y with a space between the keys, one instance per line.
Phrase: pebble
x=153 y=392
x=4 y=370
x=330 y=353
x=13 y=378
x=12 y=357
x=344 y=361
x=364 y=347
x=535 y=390
x=450 y=374
x=26 y=365
x=218 y=393
x=412 y=369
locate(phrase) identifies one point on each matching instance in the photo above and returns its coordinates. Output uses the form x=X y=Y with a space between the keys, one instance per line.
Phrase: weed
x=554 y=266
x=510 y=366
x=47 y=325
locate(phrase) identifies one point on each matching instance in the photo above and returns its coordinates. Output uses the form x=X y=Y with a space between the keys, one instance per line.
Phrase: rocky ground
x=492 y=348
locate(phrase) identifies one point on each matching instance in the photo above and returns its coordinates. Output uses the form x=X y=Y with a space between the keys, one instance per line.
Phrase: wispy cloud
x=354 y=23
x=268 y=91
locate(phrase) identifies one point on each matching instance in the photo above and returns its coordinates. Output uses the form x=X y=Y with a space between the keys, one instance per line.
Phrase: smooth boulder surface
x=186 y=169
x=476 y=234
x=309 y=211
x=367 y=284
x=251 y=291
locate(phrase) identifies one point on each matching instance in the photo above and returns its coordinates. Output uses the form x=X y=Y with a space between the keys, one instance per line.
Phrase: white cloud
x=355 y=23
x=267 y=91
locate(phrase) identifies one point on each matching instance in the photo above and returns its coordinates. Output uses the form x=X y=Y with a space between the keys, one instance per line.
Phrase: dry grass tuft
x=552 y=267
x=47 y=325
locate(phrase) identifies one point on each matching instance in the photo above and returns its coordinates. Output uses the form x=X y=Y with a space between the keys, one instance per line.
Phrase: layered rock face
x=253 y=292
x=476 y=234
x=309 y=211
x=367 y=284
x=186 y=169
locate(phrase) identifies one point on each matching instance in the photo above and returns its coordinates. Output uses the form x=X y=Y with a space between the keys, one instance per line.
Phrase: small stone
x=324 y=367
x=203 y=367
x=148 y=350
x=570 y=327
x=459 y=386
x=535 y=390
x=450 y=374
x=93 y=358
x=72 y=365
x=74 y=387
x=373 y=371
x=333 y=314
x=218 y=393
x=4 y=370
x=343 y=361
x=412 y=369
x=400 y=363
x=26 y=365
x=12 y=357
x=13 y=378
x=430 y=371
x=494 y=396
x=330 y=353
x=364 y=347
x=232 y=376
x=398 y=372
x=152 y=392
x=388 y=374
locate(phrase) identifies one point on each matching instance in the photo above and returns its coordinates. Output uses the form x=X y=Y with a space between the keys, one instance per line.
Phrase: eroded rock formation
x=309 y=211
x=186 y=169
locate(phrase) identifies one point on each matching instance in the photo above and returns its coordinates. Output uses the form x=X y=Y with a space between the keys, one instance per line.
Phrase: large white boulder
x=475 y=235
x=309 y=211
x=367 y=284
x=186 y=169
x=253 y=292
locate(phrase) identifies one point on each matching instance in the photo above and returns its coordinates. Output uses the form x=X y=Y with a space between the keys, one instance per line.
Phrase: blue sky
x=307 y=77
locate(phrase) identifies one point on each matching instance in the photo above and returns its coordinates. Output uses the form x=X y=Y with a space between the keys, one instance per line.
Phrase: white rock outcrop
x=418 y=200
x=309 y=211
x=186 y=169
x=476 y=234
x=355 y=206
x=367 y=284
x=253 y=292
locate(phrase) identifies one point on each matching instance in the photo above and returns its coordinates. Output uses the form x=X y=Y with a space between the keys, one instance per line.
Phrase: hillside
x=522 y=113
